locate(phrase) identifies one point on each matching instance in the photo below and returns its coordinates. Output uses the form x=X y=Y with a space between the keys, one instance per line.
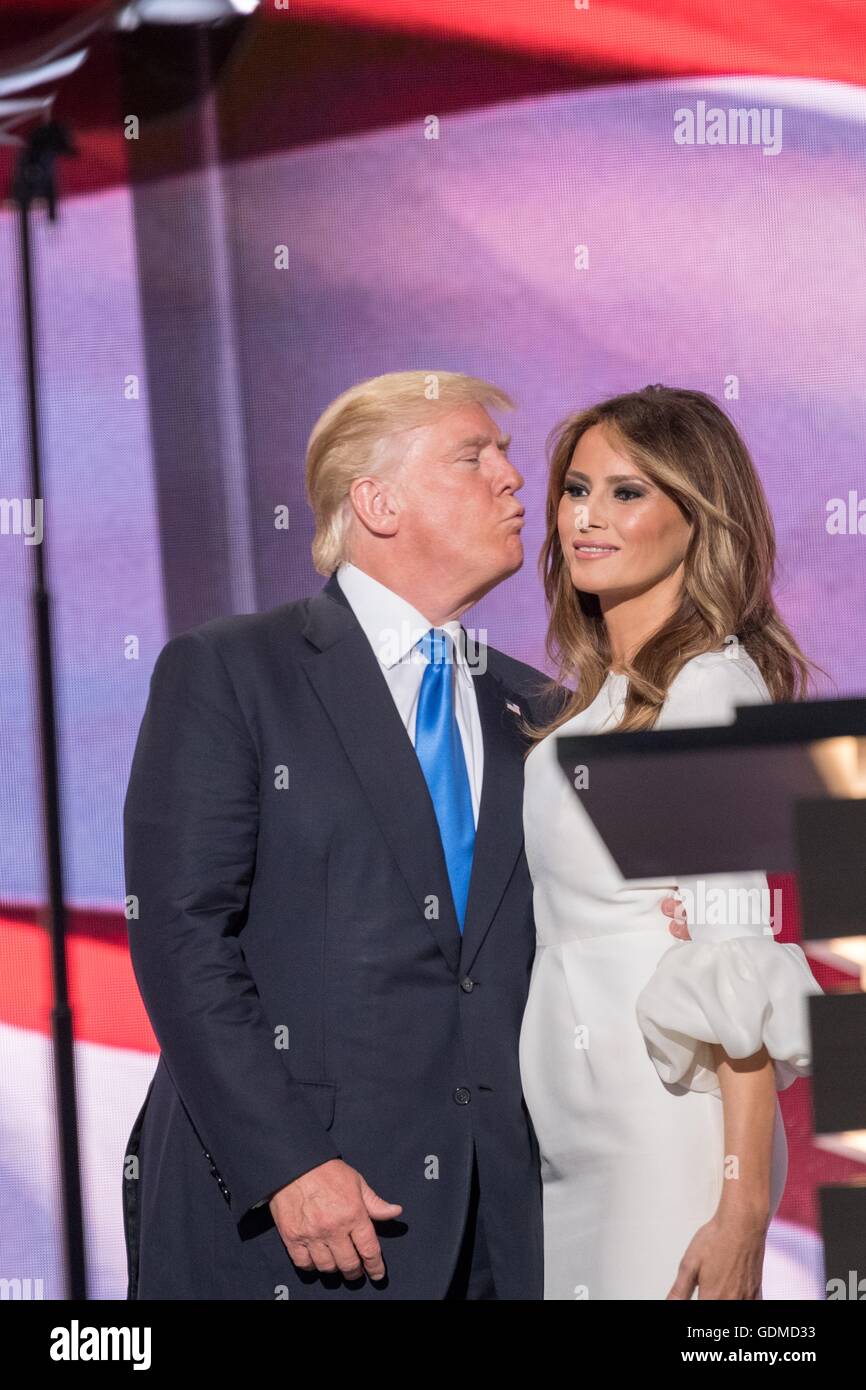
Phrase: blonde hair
x=345 y=442
x=685 y=444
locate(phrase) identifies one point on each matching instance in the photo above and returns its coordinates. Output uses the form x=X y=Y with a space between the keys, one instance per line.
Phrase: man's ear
x=376 y=505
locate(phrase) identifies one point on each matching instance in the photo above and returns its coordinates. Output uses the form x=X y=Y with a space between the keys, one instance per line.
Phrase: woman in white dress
x=650 y=1066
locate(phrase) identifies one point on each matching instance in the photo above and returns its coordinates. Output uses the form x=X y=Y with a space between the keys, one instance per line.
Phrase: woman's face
x=620 y=534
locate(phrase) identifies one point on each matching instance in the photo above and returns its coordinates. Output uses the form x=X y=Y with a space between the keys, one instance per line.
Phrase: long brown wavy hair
x=689 y=448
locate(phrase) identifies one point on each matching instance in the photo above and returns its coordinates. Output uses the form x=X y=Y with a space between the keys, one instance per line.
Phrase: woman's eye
x=625 y=494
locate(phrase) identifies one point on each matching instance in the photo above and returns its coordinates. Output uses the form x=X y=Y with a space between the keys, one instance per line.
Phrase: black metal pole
x=34 y=178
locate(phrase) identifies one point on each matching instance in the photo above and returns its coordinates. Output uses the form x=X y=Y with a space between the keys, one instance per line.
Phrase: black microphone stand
x=34 y=179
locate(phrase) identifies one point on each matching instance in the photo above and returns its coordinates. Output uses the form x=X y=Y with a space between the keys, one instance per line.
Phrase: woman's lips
x=594 y=552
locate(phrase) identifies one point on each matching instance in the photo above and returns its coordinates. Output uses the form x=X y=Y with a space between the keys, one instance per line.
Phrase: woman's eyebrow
x=611 y=477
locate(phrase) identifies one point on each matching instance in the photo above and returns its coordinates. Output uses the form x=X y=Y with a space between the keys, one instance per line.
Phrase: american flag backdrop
x=533 y=191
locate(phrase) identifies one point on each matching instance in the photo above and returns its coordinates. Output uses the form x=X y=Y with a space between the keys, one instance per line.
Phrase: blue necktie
x=440 y=753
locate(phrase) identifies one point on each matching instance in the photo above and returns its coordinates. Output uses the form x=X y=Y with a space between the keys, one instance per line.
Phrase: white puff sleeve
x=733 y=983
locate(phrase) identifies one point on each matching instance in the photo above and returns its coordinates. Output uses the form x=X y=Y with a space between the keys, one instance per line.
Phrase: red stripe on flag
x=687 y=36
x=796 y=38
x=107 y=1007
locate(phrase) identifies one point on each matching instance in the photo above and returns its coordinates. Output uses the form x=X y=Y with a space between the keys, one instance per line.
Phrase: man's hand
x=325 y=1218
x=672 y=907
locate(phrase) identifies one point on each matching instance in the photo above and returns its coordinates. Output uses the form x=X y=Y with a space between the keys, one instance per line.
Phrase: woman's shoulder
x=709 y=687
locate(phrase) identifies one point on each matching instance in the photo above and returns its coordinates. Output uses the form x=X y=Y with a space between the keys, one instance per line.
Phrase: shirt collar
x=391 y=624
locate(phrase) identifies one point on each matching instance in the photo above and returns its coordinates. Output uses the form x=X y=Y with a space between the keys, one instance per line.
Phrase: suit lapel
x=499 y=836
x=348 y=680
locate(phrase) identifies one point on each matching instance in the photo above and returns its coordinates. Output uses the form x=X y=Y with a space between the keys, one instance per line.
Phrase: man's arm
x=190 y=832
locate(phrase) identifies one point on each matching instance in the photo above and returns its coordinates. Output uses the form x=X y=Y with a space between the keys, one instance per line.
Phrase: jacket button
x=462 y=1095
x=467 y=984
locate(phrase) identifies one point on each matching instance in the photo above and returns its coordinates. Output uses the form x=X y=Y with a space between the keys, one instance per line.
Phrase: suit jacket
x=294 y=939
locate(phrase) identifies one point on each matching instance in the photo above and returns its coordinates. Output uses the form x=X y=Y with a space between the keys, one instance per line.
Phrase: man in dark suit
x=331 y=921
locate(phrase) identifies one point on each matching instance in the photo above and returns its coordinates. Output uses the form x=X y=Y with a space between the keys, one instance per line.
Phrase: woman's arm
x=749 y=1099
x=726 y=1256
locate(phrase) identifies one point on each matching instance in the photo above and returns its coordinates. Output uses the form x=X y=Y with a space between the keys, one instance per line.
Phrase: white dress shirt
x=392 y=627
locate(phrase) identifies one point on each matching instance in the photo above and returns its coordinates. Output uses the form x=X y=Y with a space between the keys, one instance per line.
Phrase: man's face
x=459 y=517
